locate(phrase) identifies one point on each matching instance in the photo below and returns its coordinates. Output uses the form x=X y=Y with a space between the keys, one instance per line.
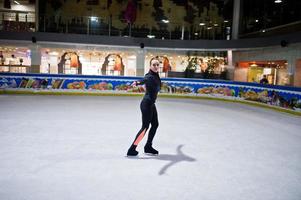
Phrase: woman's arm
x=140 y=82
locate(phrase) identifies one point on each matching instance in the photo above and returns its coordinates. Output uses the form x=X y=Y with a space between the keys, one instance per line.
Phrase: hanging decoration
x=130 y=12
x=166 y=65
x=74 y=61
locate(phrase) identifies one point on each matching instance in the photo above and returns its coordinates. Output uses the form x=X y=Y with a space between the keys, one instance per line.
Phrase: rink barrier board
x=250 y=103
x=185 y=81
x=278 y=96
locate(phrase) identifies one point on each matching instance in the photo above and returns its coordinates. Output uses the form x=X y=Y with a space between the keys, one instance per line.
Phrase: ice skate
x=132 y=151
x=148 y=149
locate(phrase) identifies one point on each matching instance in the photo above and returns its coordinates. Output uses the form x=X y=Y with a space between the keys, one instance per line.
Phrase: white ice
x=73 y=148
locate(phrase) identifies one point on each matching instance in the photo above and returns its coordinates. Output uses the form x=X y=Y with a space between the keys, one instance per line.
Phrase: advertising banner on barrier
x=282 y=96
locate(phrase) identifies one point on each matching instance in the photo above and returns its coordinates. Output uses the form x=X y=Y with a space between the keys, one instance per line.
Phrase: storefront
x=124 y=62
x=14 y=59
x=253 y=71
x=113 y=62
x=176 y=64
x=88 y=62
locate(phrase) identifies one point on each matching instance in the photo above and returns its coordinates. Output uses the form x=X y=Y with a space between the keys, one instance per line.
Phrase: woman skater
x=148 y=109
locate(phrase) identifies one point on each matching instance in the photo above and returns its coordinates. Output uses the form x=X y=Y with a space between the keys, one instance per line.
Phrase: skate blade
x=129 y=156
x=151 y=154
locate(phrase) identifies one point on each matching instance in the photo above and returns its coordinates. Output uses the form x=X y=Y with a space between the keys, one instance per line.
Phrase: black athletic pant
x=149 y=116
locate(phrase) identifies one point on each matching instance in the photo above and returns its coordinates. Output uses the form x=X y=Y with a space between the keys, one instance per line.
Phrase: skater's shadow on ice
x=50 y=161
x=172 y=158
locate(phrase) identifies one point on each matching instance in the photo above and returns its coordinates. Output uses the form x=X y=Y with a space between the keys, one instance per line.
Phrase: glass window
x=31 y=17
x=8 y=16
x=22 y=17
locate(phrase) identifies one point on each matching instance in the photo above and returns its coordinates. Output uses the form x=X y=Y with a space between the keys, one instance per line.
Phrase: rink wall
x=285 y=97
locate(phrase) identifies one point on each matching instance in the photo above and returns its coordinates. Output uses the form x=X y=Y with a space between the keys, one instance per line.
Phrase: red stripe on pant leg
x=140 y=137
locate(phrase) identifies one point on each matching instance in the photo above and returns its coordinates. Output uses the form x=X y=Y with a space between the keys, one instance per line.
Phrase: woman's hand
x=134 y=84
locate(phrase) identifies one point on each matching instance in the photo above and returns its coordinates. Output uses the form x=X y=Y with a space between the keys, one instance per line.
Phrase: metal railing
x=113 y=26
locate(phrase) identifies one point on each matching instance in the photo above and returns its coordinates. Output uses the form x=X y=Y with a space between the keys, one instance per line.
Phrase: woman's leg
x=146 y=119
x=148 y=148
x=155 y=124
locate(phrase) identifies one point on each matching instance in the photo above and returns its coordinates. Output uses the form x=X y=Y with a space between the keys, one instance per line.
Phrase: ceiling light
x=209 y=28
x=226 y=21
x=95 y=19
x=150 y=36
x=202 y=24
x=165 y=21
x=256 y=20
x=215 y=24
x=278 y=1
x=263 y=31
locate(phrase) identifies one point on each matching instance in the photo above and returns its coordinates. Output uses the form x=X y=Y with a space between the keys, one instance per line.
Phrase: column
x=291 y=65
x=236 y=18
x=230 y=67
x=35 y=53
x=37 y=15
x=140 y=56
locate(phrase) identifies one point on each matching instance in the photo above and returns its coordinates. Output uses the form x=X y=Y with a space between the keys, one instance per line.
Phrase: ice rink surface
x=73 y=148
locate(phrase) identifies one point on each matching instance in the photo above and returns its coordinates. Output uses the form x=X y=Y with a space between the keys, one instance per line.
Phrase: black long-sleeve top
x=152 y=83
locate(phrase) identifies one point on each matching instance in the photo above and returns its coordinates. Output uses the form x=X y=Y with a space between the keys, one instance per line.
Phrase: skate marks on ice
x=172 y=158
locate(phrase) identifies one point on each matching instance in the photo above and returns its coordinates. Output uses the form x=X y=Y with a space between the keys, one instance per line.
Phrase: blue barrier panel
x=282 y=96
